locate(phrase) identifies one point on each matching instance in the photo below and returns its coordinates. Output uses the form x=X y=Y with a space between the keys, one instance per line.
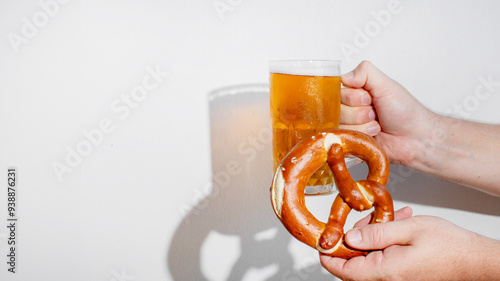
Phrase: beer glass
x=304 y=100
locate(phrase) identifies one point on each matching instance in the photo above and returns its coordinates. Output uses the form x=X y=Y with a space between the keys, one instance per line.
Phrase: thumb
x=367 y=76
x=381 y=235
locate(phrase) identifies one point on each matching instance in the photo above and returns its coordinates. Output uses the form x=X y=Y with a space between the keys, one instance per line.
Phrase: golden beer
x=301 y=106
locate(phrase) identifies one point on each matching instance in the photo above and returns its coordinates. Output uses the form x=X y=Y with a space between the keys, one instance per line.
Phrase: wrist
x=427 y=142
x=482 y=261
x=436 y=151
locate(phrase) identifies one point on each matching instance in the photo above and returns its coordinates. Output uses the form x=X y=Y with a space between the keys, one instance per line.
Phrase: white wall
x=140 y=128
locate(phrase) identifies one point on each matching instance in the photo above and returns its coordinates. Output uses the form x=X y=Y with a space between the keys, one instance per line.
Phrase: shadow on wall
x=410 y=186
x=429 y=190
x=238 y=203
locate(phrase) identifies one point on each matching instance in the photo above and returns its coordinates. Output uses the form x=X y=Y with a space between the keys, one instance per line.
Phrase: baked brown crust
x=290 y=179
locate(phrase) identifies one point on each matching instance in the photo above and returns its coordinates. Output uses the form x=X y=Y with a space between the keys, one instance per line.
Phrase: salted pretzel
x=290 y=179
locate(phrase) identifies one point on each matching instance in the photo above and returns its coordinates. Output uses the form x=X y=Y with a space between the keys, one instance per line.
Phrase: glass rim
x=305 y=67
x=304 y=60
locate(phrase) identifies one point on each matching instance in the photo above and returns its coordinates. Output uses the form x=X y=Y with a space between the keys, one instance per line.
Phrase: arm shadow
x=411 y=186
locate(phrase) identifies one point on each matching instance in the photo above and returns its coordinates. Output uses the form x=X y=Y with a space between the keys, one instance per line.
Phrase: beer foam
x=306 y=68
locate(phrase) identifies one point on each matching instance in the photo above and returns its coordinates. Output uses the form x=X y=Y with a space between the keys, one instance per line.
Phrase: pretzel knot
x=290 y=179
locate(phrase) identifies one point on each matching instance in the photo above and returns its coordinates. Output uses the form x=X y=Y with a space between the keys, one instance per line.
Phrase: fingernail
x=353 y=237
x=371 y=114
x=366 y=100
x=373 y=129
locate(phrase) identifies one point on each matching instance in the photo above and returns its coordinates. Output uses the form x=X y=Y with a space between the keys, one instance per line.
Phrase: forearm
x=461 y=151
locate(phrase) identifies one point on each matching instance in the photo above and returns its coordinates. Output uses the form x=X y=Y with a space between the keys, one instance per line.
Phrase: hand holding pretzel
x=419 y=247
x=290 y=179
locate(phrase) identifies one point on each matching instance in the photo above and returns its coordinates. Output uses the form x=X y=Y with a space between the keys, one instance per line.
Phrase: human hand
x=375 y=104
x=416 y=248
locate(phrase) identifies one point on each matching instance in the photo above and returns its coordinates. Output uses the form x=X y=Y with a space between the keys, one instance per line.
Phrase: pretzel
x=290 y=179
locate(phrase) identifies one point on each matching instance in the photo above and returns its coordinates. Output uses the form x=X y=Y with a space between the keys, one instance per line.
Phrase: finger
x=371 y=128
x=364 y=221
x=403 y=213
x=381 y=235
x=363 y=267
x=357 y=268
x=367 y=76
x=333 y=265
x=355 y=97
x=356 y=115
x=400 y=214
